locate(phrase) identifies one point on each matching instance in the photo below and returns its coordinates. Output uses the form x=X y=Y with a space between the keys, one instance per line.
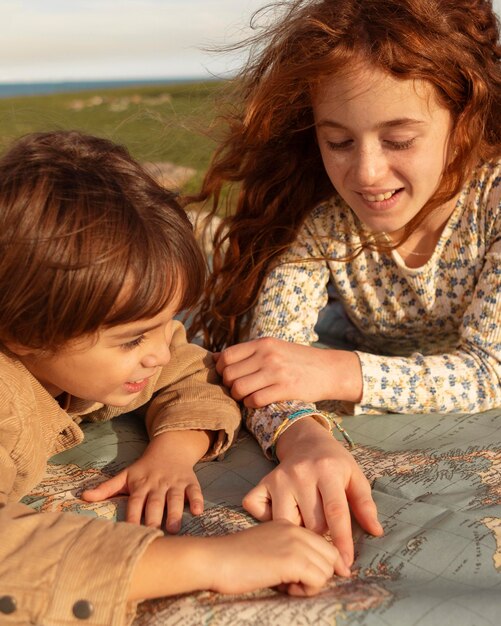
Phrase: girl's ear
x=18 y=349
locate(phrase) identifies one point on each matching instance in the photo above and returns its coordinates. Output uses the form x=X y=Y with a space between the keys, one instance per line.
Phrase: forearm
x=187 y=445
x=266 y=555
x=189 y=395
x=455 y=382
x=171 y=565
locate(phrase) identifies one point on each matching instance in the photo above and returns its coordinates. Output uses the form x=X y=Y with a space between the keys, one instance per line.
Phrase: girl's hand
x=316 y=484
x=268 y=370
x=161 y=479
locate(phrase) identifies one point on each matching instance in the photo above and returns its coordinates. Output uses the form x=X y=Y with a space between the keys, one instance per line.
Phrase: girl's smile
x=381 y=200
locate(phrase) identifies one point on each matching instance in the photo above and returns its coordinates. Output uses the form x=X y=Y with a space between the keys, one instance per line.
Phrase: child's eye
x=400 y=145
x=130 y=345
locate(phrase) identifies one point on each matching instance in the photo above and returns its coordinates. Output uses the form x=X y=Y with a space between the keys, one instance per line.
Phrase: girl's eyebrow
x=402 y=121
x=134 y=333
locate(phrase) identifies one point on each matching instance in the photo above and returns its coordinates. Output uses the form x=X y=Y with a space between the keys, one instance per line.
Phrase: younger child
x=366 y=146
x=95 y=261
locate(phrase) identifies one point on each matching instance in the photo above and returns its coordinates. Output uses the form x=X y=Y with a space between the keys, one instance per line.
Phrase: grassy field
x=157 y=123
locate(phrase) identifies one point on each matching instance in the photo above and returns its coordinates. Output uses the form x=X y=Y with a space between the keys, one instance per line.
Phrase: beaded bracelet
x=327 y=417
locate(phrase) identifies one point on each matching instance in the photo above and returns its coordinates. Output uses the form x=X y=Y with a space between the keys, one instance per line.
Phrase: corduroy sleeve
x=57 y=567
x=190 y=396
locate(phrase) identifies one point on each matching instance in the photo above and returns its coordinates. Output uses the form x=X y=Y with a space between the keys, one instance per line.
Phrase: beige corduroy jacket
x=55 y=565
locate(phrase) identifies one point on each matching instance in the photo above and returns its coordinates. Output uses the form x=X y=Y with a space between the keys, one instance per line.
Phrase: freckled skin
x=378 y=134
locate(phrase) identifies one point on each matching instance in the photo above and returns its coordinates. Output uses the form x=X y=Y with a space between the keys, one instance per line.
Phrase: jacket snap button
x=83 y=609
x=7 y=605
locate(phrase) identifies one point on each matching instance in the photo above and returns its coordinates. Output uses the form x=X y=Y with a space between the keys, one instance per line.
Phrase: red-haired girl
x=366 y=146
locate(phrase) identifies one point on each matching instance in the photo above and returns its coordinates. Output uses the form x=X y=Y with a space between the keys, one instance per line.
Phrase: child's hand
x=275 y=554
x=268 y=370
x=162 y=478
x=316 y=484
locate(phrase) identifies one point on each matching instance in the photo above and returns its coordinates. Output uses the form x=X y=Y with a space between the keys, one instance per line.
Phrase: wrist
x=187 y=446
x=345 y=375
x=154 y=576
x=305 y=430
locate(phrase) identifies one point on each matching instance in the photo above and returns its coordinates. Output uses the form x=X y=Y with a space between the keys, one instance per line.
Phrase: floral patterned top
x=428 y=338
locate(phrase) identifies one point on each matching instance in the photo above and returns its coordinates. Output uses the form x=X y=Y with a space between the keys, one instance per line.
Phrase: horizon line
x=60 y=81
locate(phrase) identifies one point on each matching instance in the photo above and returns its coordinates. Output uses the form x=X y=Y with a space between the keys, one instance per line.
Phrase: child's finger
x=316 y=562
x=111 y=487
x=175 y=508
x=154 y=508
x=327 y=558
x=135 y=507
x=301 y=590
x=195 y=498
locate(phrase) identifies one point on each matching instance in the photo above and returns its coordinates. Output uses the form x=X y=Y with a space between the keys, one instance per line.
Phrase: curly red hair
x=270 y=149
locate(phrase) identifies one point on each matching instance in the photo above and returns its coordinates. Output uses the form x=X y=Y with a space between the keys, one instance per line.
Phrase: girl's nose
x=369 y=166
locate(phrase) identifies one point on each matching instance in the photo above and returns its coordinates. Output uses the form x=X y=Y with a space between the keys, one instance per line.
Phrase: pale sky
x=52 y=40
x=43 y=40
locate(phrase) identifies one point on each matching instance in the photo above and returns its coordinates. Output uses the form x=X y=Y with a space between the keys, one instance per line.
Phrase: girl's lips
x=381 y=203
x=136 y=386
x=385 y=195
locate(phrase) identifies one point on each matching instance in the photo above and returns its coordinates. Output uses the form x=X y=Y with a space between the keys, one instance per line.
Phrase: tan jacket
x=51 y=561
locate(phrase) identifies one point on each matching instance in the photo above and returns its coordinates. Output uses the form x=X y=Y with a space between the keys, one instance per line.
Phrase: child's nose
x=159 y=357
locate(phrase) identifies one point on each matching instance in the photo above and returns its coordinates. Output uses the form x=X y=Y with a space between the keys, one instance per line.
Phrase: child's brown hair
x=87 y=239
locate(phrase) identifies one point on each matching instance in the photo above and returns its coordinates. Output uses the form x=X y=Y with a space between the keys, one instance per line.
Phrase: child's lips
x=136 y=385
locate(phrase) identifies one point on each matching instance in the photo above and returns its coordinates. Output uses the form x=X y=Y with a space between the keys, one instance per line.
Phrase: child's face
x=383 y=143
x=111 y=368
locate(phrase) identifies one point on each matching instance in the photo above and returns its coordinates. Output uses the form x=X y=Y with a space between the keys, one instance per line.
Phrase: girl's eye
x=339 y=145
x=400 y=145
x=130 y=345
x=393 y=145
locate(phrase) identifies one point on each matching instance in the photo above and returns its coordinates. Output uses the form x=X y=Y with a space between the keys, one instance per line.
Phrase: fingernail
x=173 y=529
x=344 y=570
x=348 y=560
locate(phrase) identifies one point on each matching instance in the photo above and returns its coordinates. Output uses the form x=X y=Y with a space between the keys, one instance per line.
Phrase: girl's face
x=112 y=367
x=383 y=143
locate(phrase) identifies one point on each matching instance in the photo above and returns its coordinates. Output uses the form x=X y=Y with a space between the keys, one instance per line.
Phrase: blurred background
x=137 y=71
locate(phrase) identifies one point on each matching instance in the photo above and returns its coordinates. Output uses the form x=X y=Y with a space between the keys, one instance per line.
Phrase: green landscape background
x=163 y=123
